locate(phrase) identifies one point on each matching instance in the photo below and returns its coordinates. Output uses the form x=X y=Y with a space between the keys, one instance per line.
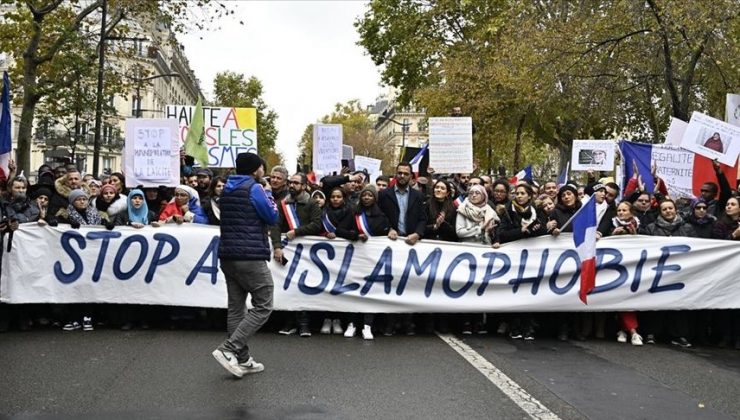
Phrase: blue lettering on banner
x=638 y=271
x=212 y=251
x=157 y=259
x=489 y=275
x=614 y=264
x=314 y=255
x=661 y=267
x=412 y=262
x=106 y=237
x=385 y=262
x=76 y=272
x=143 y=251
x=519 y=279
x=446 y=286
x=339 y=286
x=293 y=266
x=569 y=254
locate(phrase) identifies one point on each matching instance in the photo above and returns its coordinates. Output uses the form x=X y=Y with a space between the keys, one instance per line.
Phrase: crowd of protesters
x=470 y=208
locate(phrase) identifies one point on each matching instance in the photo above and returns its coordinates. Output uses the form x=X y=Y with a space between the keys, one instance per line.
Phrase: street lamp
x=404 y=127
x=138 y=89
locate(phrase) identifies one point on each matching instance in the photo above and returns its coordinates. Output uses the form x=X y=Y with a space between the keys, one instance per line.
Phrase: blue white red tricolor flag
x=563 y=177
x=416 y=160
x=523 y=175
x=584 y=236
x=6 y=143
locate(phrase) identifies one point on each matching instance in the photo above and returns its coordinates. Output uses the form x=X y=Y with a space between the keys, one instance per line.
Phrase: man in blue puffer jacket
x=247 y=209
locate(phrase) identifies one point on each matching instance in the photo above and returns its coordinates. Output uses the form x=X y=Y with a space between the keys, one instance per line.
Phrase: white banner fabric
x=177 y=265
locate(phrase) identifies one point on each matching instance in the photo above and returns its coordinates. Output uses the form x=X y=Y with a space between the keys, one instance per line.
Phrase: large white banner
x=451 y=144
x=177 y=265
x=228 y=131
x=152 y=152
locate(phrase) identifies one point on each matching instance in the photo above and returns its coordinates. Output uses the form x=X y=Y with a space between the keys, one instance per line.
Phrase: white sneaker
x=636 y=339
x=326 y=326
x=621 y=337
x=251 y=366
x=367 y=333
x=71 y=326
x=336 y=327
x=87 y=324
x=228 y=361
x=350 y=331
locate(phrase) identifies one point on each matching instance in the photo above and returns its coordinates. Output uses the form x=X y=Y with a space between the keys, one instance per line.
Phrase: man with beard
x=299 y=216
x=405 y=210
x=71 y=180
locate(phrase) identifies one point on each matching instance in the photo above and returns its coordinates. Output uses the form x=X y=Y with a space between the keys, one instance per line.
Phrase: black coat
x=511 y=225
x=377 y=221
x=416 y=215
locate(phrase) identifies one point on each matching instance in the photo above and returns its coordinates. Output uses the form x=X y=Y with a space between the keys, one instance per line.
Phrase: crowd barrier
x=178 y=265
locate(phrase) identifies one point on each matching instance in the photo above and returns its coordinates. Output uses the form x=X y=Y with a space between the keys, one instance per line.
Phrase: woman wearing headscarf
x=520 y=220
x=79 y=213
x=476 y=222
x=367 y=221
x=137 y=214
x=184 y=207
x=336 y=215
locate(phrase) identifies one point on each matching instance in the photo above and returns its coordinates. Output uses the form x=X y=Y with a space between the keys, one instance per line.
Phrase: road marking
x=511 y=389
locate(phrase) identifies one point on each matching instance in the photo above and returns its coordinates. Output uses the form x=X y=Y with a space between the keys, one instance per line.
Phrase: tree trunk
x=518 y=143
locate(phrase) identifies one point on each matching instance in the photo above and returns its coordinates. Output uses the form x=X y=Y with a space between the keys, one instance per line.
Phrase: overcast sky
x=304 y=52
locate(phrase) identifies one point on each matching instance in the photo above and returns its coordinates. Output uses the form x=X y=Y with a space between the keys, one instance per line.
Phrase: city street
x=172 y=375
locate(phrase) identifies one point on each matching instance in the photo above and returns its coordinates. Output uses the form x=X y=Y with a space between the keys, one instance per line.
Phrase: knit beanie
x=75 y=194
x=370 y=188
x=247 y=163
x=567 y=187
x=108 y=187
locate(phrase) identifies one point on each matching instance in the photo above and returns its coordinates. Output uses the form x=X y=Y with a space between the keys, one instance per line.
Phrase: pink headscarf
x=483 y=192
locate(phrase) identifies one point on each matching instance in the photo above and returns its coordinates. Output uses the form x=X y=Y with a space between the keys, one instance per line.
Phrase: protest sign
x=675 y=132
x=152 y=152
x=451 y=144
x=372 y=166
x=732 y=109
x=712 y=138
x=228 y=131
x=327 y=148
x=597 y=155
x=178 y=265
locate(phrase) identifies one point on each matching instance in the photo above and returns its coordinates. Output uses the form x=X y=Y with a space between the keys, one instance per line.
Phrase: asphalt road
x=172 y=375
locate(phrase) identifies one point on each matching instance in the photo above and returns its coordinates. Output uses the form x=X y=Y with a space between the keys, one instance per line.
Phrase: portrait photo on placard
x=593 y=155
x=712 y=138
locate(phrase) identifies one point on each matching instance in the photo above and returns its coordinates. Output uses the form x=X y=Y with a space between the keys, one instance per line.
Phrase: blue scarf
x=140 y=215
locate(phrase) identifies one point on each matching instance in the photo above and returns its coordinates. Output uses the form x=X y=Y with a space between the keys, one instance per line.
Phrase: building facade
x=397 y=126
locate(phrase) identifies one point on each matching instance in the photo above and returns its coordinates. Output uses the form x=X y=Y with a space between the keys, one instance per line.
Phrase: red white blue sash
x=291 y=215
x=328 y=225
x=459 y=200
x=362 y=224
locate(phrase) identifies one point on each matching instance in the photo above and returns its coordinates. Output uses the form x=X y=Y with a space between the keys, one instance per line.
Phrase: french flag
x=416 y=160
x=584 y=236
x=523 y=175
x=6 y=143
x=700 y=168
x=563 y=177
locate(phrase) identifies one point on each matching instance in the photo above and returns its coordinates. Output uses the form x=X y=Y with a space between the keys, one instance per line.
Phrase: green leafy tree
x=358 y=131
x=48 y=37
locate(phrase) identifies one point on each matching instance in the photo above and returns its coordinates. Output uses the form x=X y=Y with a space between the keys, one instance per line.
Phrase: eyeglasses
x=700 y=208
x=475 y=193
x=708 y=191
